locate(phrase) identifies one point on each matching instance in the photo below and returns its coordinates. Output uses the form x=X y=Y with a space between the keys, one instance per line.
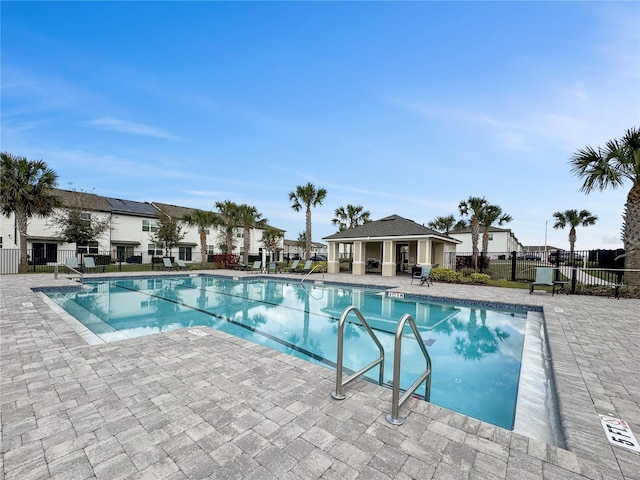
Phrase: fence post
x=574 y=275
x=513 y=266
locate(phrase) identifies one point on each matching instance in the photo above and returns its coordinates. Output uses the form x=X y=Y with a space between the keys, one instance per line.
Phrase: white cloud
x=109 y=123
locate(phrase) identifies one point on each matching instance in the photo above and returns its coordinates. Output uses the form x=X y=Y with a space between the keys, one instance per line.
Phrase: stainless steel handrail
x=338 y=393
x=55 y=271
x=396 y=402
x=309 y=273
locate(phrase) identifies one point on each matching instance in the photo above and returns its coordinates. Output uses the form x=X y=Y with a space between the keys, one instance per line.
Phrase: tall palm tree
x=350 y=216
x=447 y=224
x=573 y=218
x=202 y=220
x=249 y=217
x=309 y=196
x=271 y=238
x=491 y=214
x=26 y=191
x=612 y=166
x=473 y=207
x=228 y=215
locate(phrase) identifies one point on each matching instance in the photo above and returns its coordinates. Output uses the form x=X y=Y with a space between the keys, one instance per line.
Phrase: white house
x=501 y=241
x=129 y=236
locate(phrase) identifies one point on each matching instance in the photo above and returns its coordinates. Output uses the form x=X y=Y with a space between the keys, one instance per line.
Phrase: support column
x=388 y=258
x=333 y=260
x=359 y=264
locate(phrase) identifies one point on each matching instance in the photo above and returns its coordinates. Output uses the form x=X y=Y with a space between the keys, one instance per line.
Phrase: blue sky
x=403 y=108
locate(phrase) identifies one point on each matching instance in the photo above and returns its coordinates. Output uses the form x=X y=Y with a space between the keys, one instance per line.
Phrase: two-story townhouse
x=132 y=225
x=502 y=241
x=293 y=250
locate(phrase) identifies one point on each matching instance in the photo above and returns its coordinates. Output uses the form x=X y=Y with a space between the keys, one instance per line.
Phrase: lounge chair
x=241 y=266
x=182 y=265
x=544 y=277
x=293 y=267
x=90 y=264
x=423 y=275
x=256 y=267
x=307 y=267
x=272 y=267
x=72 y=262
x=167 y=263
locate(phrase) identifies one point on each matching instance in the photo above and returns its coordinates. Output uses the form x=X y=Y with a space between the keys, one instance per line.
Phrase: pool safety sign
x=619 y=433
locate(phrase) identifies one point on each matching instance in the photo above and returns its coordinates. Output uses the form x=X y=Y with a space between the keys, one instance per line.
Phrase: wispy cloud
x=124 y=126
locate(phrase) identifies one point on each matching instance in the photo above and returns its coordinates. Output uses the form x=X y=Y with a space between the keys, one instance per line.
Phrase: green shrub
x=445 y=275
x=480 y=278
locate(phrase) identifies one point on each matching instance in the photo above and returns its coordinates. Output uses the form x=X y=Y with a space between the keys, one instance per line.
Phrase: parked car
x=564 y=257
x=319 y=258
x=529 y=256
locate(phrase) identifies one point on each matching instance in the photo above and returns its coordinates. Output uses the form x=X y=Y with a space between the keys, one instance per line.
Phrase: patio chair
x=90 y=264
x=167 y=263
x=256 y=267
x=293 y=267
x=424 y=275
x=181 y=265
x=544 y=277
x=72 y=262
x=307 y=267
x=272 y=267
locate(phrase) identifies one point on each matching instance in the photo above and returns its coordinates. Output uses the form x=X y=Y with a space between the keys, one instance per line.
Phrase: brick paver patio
x=177 y=405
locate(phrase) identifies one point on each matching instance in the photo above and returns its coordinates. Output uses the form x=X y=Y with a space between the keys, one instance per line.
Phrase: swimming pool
x=475 y=350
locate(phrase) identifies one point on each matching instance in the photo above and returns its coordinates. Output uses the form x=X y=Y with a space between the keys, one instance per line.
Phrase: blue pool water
x=475 y=351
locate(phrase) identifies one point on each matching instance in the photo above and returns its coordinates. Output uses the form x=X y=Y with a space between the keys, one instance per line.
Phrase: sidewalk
x=179 y=405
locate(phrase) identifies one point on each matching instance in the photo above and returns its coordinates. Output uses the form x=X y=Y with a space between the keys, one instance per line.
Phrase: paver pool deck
x=176 y=405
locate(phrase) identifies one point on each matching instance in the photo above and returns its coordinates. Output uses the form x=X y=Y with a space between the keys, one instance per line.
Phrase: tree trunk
x=22 y=222
x=203 y=246
x=247 y=245
x=632 y=236
x=308 y=239
x=475 y=233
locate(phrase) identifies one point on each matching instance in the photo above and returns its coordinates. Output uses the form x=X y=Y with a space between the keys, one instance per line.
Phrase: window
x=184 y=253
x=85 y=216
x=210 y=249
x=490 y=236
x=149 y=225
x=91 y=248
x=154 y=249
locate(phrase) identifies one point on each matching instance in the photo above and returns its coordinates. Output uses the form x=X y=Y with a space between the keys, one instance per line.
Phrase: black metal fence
x=581 y=268
x=40 y=261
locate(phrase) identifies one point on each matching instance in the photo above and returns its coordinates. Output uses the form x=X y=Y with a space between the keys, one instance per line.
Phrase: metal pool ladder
x=338 y=393
x=397 y=401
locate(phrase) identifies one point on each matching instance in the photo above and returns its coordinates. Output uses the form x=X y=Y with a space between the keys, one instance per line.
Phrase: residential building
x=129 y=236
x=502 y=241
x=293 y=250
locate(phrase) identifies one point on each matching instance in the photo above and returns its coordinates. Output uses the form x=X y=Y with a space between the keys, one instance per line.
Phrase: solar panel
x=129 y=206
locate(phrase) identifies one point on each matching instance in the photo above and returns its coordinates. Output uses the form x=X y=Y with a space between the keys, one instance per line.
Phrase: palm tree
x=573 y=218
x=611 y=166
x=271 y=237
x=308 y=196
x=26 y=192
x=491 y=214
x=249 y=217
x=228 y=215
x=350 y=216
x=474 y=208
x=202 y=220
x=447 y=224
